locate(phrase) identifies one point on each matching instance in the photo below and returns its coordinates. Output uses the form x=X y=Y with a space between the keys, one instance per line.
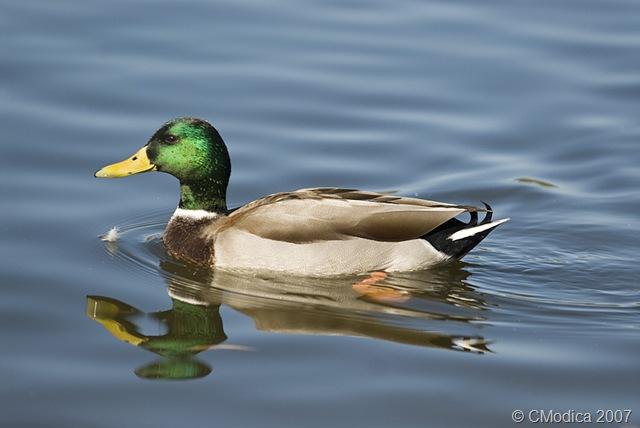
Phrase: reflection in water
x=294 y=305
x=191 y=329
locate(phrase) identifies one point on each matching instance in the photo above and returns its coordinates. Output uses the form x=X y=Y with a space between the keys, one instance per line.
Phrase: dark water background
x=457 y=101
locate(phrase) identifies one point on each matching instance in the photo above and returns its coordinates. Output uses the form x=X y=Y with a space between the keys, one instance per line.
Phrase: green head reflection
x=191 y=329
x=174 y=368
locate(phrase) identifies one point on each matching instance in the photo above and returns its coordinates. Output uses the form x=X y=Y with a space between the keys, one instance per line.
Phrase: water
x=532 y=106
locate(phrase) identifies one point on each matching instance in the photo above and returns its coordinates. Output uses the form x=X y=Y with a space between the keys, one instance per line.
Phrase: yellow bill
x=137 y=163
x=109 y=315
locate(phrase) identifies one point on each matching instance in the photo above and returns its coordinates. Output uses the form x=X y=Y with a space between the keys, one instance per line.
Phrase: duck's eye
x=170 y=139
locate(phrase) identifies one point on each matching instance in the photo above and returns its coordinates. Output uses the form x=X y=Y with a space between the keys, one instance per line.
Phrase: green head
x=191 y=150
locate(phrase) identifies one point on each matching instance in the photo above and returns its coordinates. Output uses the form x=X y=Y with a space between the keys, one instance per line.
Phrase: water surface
x=531 y=106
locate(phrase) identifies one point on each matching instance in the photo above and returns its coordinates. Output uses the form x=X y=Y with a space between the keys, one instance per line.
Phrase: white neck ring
x=193 y=214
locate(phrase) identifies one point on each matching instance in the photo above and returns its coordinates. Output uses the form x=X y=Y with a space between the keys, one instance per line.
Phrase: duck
x=324 y=231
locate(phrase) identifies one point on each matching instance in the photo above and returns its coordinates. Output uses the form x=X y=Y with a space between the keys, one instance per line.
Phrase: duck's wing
x=323 y=214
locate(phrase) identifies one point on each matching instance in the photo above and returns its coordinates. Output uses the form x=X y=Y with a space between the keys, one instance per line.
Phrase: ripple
x=139 y=245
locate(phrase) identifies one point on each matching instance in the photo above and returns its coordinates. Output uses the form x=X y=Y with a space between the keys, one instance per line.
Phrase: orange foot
x=368 y=288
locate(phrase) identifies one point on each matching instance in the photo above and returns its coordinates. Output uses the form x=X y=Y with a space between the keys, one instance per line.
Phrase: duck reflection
x=389 y=308
x=191 y=329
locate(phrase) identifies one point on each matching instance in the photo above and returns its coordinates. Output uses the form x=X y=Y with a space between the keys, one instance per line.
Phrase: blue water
x=531 y=106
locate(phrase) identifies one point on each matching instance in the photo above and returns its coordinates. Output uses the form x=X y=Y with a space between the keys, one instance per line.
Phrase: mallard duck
x=319 y=231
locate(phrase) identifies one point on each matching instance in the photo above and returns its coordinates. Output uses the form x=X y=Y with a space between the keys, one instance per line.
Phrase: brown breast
x=184 y=239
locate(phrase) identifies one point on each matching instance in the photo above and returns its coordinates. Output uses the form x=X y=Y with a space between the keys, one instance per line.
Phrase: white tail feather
x=465 y=233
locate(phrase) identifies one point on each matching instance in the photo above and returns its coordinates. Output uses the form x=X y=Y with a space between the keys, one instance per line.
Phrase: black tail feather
x=474 y=218
x=439 y=237
x=489 y=215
